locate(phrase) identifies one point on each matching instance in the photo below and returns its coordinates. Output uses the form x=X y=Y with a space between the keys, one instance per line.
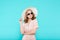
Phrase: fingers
x=20 y=19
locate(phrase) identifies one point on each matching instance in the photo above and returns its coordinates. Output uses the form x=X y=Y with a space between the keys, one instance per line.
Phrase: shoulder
x=24 y=23
x=35 y=20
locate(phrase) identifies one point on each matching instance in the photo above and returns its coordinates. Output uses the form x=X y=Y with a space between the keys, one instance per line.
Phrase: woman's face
x=29 y=14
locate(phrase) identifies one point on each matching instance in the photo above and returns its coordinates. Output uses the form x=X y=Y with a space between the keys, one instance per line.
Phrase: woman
x=29 y=25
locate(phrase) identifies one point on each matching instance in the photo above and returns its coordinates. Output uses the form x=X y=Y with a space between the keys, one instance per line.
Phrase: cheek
x=31 y=15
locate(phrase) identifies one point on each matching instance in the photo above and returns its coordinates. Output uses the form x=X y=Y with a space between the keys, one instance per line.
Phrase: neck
x=29 y=20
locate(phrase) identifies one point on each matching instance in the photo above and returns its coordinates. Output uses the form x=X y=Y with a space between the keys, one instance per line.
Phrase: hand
x=20 y=20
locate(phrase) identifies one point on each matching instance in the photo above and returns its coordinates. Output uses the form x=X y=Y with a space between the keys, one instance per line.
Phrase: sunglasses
x=29 y=13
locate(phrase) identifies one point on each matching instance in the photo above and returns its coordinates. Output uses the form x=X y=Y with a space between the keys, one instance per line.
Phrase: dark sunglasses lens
x=28 y=14
x=31 y=13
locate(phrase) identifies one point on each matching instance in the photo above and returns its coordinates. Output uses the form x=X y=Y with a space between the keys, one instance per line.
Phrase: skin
x=21 y=28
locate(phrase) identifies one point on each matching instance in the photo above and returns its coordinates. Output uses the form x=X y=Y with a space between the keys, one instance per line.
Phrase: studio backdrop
x=48 y=18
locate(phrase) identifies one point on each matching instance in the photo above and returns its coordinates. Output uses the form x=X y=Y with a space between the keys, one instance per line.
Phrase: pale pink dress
x=32 y=24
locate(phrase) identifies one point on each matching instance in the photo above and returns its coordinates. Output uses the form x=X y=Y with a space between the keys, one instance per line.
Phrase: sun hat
x=34 y=10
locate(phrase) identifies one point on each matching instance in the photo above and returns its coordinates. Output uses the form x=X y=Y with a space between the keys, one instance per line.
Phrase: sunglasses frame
x=30 y=13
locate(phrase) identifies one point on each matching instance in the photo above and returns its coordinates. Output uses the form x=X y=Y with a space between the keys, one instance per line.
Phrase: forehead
x=29 y=11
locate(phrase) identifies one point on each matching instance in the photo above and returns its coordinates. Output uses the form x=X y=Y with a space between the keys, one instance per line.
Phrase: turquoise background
x=48 y=18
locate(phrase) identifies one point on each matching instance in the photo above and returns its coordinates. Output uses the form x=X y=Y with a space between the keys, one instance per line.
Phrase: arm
x=21 y=28
x=31 y=32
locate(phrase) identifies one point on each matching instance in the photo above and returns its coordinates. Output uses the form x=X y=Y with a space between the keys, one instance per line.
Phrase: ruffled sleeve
x=36 y=23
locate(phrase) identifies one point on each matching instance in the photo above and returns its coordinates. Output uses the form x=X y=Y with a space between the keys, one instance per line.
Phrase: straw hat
x=34 y=10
